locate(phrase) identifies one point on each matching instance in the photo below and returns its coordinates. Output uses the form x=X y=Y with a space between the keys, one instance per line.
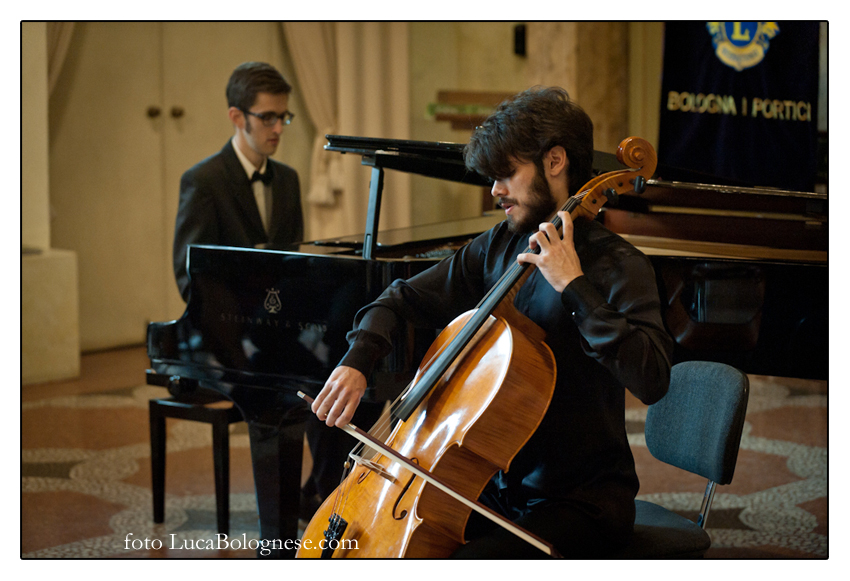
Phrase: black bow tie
x=266 y=178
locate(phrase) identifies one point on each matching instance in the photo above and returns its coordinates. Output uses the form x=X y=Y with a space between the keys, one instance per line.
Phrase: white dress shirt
x=262 y=192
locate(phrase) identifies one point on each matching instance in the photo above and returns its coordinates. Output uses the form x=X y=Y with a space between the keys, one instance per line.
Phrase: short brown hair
x=251 y=78
x=525 y=128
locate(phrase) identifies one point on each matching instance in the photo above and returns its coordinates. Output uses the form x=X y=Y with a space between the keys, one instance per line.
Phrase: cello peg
x=640 y=184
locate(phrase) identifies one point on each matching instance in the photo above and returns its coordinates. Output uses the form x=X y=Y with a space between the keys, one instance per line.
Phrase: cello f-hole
x=403 y=513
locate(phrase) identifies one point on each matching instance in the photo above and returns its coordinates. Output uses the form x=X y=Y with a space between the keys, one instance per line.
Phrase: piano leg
x=276 y=454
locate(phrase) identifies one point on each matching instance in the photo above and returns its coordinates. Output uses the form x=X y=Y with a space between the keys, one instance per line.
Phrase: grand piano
x=262 y=324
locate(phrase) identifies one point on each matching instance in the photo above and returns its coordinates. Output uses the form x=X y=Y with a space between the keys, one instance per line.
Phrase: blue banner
x=739 y=101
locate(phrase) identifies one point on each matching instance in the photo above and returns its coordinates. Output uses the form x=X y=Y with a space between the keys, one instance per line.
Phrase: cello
x=480 y=393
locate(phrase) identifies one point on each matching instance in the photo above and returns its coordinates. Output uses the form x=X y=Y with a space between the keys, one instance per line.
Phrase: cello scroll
x=633 y=152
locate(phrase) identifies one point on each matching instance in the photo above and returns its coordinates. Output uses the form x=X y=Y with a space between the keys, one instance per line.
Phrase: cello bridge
x=373 y=467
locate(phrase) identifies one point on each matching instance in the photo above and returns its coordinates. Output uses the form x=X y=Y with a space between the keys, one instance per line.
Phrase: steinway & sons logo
x=272 y=304
x=741 y=45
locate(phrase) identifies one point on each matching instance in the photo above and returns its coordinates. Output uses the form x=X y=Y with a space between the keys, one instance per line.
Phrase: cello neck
x=503 y=292
x=506 y=289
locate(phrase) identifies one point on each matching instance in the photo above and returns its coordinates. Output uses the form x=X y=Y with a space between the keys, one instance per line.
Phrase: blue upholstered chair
x=696 y=427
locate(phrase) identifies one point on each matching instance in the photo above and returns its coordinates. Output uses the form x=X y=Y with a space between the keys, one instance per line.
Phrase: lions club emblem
x=741 y=45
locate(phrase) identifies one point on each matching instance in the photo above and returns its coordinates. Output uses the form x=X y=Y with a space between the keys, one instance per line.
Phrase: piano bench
x=208 y=411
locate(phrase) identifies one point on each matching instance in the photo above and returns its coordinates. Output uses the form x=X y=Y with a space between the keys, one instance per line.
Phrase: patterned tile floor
x=85 y=473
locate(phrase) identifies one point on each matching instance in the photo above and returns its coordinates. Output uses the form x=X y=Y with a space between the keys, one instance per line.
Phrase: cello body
x=498 y=391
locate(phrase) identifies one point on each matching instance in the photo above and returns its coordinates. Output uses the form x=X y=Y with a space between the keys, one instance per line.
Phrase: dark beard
x=540 y=207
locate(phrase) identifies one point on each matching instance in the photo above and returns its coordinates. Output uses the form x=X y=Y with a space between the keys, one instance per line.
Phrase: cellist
x=594 y=294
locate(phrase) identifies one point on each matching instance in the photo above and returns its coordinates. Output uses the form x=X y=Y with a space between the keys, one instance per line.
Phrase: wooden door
x=138 y=104
x=106 y=177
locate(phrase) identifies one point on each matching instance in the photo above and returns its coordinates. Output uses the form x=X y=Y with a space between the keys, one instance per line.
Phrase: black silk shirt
x=607 y=336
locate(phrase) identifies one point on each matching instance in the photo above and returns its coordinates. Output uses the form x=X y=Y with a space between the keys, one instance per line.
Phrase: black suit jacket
x=217 y=207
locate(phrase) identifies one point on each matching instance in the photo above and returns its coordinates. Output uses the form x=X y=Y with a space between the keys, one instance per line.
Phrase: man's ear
x=556 y=162
x=237 y=117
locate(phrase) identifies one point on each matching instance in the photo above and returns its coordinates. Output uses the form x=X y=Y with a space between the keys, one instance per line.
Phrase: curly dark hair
x=525 y=127
x=251 y=78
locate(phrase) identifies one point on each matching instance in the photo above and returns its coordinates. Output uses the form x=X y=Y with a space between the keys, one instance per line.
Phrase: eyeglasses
x=270 y=118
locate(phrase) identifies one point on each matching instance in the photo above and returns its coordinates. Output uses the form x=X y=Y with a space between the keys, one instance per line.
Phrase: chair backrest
x=697 y=426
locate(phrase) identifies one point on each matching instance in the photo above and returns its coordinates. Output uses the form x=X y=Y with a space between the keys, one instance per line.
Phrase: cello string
x=378 y=430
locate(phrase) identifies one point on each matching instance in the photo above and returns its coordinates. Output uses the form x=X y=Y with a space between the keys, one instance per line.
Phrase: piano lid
x=436 y=159
x=369 y=145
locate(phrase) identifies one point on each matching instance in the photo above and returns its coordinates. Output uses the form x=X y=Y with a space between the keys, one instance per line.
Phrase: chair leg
x=221 y=464
x=707 y=499
x=157 y=427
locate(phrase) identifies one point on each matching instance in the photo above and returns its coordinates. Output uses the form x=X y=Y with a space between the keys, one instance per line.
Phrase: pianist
x=574 y=482
x=240 y=196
